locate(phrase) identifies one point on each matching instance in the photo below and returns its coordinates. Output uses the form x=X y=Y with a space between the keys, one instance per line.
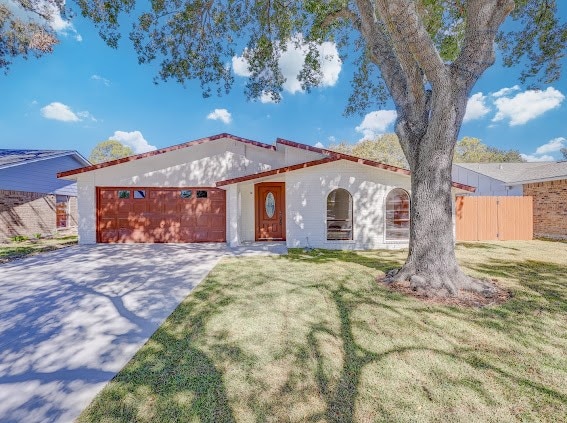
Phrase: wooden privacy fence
x=494 y=218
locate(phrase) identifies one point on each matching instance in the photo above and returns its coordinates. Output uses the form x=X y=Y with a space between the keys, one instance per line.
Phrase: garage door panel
x=161 y=214
x=140 y=206
x=107 y=223
x=109 y=235
x=188 y=221
x=203 y=206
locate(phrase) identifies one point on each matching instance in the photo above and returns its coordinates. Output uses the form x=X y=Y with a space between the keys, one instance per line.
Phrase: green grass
x=312 y=337
x=17 y=250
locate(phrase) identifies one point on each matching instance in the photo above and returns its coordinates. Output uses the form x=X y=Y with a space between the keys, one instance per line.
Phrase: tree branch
x=382 y=53
x=483 y=20
x=408 y=32
x=345 y=14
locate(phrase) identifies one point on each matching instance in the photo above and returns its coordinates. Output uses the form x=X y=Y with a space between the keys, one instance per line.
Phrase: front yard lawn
x=17 y=250
x=312 y=337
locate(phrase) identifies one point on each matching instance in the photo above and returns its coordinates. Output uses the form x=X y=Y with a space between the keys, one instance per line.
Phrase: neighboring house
x=227 y=188
x=32 y=199
x=492 y=179
x=546 y=182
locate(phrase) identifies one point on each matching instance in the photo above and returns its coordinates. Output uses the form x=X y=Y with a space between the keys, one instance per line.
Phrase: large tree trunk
x=431 y=266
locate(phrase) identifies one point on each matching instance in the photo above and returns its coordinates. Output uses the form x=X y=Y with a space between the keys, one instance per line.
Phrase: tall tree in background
x=472 y=150
x=386 y=149
x=426 y=54
x=109 y=150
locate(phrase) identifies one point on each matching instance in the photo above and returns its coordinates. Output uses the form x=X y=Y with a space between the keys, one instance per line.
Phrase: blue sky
x=86 y=92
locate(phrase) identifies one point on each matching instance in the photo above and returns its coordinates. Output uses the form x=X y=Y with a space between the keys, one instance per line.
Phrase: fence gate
x=494 y=218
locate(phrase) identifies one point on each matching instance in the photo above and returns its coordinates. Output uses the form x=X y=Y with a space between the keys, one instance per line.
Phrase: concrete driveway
x=72 y=318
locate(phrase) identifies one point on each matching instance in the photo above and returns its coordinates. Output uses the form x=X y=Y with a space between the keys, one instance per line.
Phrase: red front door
x=270 y=211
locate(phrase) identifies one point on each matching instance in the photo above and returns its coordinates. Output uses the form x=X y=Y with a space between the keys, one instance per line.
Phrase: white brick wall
x=306 y=198
x=199 y=165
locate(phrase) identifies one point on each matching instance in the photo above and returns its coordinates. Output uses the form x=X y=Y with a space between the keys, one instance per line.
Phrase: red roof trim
x=344 y=156
x=164 y=150
x=360 y=160
x=276 y=171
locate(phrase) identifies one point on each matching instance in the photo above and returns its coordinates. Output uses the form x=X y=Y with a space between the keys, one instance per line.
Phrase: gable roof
x=505 y=172
x=328 y=156
x=519 y=173
x=331 y=157
x=18 y=157
x=162 y=151
x=332 y=153
x=547 y=172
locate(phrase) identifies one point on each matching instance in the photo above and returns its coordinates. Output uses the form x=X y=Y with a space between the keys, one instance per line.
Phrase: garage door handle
x=280 y=218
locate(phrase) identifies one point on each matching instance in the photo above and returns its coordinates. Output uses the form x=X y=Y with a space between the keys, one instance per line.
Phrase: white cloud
x=56 y=21
x=63 y=113
x=505 y=91
x=332 y=139
x=220 y=114
x=266 y=98
x=528 y=105
x=133 y=139
x=375 y=123
x=86 y=115
x=319 y=145
x=535 y=158
x=291 y=61
x=240 y=66
x=544 y=152
x=100 y=79
x=552 y=146
x=59 y=111
x=476 y=107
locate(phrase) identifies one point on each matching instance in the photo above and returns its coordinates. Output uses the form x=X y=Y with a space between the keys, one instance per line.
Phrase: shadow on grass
x=177 y=381
x=485 y=246
x=385 y=261
x=543 y=284
x=170 y=378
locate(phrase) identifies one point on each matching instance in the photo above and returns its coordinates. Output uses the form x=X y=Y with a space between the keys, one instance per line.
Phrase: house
x=492 y=179
x=229 y=189
x=547 y=185
x=545 y=182
x=32 y=199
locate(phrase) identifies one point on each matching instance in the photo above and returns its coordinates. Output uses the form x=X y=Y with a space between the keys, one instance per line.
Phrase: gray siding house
x=493 y=179
x=32 y=199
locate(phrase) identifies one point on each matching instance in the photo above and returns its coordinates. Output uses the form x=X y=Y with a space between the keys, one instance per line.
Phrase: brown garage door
x=142 y=214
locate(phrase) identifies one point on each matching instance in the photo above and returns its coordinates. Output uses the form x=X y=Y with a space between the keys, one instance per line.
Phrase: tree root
x=451 y=284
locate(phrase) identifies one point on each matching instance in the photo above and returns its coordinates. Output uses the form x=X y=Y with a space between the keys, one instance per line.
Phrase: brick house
x=547 y=185
x=32 y=199
x=546 y=182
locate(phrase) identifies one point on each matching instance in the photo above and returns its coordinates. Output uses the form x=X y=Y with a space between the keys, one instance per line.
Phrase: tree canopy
x=427 y=55
x=108 y=150
x=26 y=28
x=387 y=149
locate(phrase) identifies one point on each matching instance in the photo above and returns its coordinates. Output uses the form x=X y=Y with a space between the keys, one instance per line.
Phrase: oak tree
x=26 y=28
x=108 y=150
x=426 y=54
x=386 y=149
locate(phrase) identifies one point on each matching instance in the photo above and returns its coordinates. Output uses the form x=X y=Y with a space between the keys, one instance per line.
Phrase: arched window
x=339 y=215
x=397 y=215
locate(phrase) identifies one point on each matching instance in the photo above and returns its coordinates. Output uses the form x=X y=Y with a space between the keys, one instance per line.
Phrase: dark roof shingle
x=14 y=157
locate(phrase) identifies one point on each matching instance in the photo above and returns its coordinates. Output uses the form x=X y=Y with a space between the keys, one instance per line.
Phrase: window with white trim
x=339 y=215
x=397 y=215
